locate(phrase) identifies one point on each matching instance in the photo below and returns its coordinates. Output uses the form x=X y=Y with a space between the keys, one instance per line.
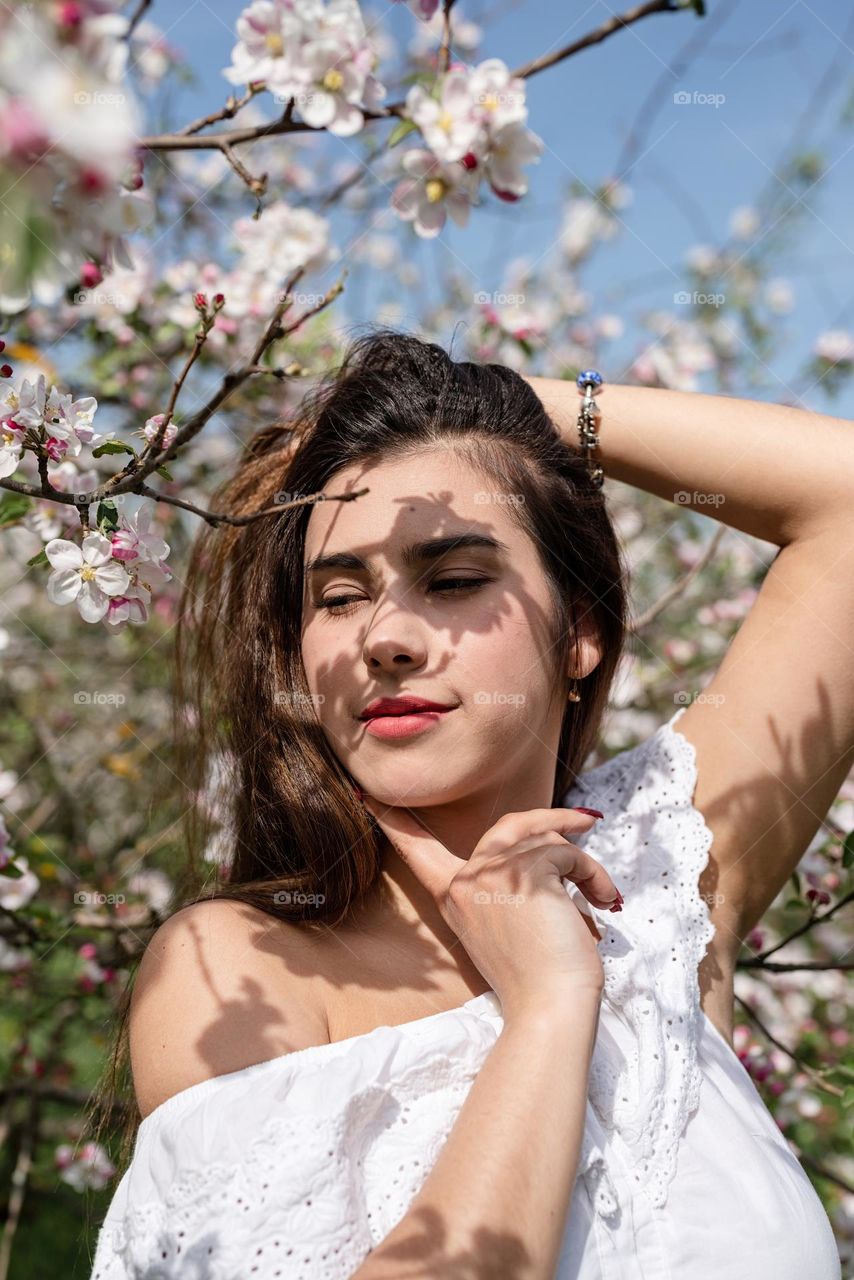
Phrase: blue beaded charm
x=588 y=376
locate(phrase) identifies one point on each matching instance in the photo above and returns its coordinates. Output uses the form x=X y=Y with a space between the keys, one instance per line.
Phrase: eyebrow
x=414 y=553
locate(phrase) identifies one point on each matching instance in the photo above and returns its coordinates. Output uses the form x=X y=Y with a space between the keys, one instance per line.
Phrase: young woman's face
x=467 y=628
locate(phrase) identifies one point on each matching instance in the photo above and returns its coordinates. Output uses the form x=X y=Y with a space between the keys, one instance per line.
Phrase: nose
x=394 y=643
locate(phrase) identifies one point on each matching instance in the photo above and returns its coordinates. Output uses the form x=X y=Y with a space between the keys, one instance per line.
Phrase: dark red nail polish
x=594 y=813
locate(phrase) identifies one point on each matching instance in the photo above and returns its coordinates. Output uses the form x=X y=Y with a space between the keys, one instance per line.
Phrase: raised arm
x=774 y=731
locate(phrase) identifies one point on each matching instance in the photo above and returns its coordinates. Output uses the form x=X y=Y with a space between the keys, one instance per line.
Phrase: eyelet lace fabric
x=655 y=845
x=298 y=1167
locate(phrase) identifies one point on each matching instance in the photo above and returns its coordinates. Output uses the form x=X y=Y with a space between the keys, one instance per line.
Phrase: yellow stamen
x=274 y=43
x=87 y=573
x=333 y=80
x=446 y=121
x=434 y=189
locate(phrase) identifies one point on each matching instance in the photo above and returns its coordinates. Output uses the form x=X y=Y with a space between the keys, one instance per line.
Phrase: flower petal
x=92 y=603
x=63 y=586
x=112 y=578
x=96 y=548
x=63 y=554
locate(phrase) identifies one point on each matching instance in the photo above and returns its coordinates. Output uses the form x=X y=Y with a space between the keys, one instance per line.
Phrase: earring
x=574 y=695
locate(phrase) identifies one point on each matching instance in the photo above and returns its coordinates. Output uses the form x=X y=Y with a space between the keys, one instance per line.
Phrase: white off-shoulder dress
x=299 y=1166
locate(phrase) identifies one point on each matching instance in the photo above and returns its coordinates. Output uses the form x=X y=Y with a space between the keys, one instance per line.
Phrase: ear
x=586 y=654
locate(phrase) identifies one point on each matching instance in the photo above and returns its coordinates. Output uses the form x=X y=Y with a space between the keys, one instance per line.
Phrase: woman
x=413 y=1033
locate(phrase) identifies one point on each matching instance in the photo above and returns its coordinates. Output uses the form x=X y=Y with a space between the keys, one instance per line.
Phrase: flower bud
x=90 y=275
x=200 y=301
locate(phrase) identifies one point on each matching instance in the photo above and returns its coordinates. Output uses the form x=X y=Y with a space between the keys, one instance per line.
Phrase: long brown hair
x=302 y=848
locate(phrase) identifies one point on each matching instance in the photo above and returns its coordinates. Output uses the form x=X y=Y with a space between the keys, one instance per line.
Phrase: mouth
x=387 y=708
x=405 y=724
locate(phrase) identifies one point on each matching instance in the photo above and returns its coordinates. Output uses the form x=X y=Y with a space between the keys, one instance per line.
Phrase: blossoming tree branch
x=318 y=61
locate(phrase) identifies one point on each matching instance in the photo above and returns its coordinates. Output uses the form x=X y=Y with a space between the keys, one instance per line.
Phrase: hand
x=507 y=903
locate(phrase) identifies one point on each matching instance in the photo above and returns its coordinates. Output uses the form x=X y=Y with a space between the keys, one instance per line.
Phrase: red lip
x=401 y=707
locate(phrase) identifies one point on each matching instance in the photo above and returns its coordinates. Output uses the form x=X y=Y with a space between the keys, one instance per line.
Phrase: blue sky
x=699 y=162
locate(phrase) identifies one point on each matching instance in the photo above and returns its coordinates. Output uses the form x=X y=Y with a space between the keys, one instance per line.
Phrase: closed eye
x=338 y=604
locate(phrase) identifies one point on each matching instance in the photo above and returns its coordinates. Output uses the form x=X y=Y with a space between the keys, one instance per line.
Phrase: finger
x=430 y=860
x=583 y=870
x=519 y=828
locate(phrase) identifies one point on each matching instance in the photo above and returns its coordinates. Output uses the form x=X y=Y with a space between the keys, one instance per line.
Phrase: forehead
x=432 y=495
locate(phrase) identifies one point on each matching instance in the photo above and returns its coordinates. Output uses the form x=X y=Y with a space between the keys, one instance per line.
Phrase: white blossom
x=88 y=575
x=431 y=191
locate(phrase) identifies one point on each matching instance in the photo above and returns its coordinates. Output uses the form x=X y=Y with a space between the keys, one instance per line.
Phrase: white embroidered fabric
x=299 y=1166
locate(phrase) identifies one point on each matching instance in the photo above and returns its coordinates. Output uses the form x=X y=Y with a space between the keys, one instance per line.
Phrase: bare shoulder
x=221 y=986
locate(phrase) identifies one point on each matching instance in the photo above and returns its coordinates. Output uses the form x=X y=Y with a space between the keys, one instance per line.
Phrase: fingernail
x=594 y=813
x=618 y=906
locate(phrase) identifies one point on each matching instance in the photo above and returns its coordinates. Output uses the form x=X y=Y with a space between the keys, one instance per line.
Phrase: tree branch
x=183 y=141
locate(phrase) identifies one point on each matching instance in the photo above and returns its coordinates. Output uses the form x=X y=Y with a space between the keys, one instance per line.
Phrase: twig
x=597 y=36
x=236 y=137
x=822 y=1172
x=215 y=518
x=228 y=112
x=128 y=480
x=638 y=624
x=809 y=924
x=20 y=1178
x=138 y=12
x=814 y=1075
x=155 y=445
x=256 y=185
x=445 y=51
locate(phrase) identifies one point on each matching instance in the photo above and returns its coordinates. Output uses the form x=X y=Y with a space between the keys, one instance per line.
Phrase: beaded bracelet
x=589 y=383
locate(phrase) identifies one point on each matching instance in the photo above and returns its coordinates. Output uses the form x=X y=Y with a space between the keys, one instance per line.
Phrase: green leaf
x=108 y=516
x=400 y=131
x=39 y=558
x=13 y=507
x=848 y=850
x=165 y=472
x=796 y=882
x=113 y=446
x=792 y=903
